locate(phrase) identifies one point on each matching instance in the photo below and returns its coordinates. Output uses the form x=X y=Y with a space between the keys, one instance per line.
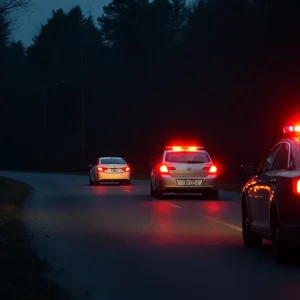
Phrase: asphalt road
x=114 y=242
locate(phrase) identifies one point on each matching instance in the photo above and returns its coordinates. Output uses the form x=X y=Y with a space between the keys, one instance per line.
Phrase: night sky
x=28 y=24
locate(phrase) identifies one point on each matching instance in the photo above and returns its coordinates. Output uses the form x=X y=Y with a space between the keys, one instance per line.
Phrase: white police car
x=184 y=169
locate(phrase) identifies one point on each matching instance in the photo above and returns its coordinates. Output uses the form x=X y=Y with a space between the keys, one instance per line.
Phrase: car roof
x=111 y=157
x=292 y=141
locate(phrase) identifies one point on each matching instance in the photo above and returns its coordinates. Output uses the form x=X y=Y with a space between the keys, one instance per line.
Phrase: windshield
x=187 y=157
x=113 y=161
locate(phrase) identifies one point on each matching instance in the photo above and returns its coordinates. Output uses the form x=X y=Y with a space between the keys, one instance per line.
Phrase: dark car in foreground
x=271 y=197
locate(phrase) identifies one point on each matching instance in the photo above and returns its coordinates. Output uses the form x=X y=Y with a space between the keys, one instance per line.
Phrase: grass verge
x=22 y=273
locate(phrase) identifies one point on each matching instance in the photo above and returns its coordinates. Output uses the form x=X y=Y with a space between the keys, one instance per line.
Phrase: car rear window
x=187 y=157
x=113 y=161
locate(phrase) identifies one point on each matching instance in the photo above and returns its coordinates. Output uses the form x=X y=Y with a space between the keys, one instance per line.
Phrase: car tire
x=280 y=251
x=127 y=182
x=91 y=181
x=157 y=193
x=95 y=183
x=151 y=189
x=214 y=194
x=250 y=238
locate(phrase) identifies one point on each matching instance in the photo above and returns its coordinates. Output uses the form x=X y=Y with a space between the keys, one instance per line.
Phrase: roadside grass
x=22 y=273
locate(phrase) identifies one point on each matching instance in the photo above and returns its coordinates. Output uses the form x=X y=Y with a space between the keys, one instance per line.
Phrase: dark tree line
x=223 y=72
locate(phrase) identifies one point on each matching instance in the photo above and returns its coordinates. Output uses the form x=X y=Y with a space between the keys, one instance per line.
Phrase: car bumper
x=172 y=184
x=113 y=177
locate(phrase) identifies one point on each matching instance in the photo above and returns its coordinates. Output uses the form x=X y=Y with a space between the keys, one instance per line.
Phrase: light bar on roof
x=291 y=129
x=184 y=148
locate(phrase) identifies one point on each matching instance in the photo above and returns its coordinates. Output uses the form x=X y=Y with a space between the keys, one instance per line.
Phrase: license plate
x=189 y=182
x=114 y=170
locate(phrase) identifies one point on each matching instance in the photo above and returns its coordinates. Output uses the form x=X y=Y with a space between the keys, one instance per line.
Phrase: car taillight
x=296 y=186
x=101 y=169
x=211 y=170
x=126 y=169
x=164 y=169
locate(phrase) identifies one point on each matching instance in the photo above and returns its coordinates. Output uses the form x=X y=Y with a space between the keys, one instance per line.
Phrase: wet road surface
x=115 y=242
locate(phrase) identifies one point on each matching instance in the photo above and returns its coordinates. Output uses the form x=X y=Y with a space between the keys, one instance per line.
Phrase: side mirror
x=249 y=170
x=90 y=165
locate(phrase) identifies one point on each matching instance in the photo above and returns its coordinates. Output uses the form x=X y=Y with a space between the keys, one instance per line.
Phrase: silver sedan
x=110 y=169
x=184 y=169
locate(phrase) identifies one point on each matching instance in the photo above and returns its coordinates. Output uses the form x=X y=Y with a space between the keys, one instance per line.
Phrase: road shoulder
x=22 y=272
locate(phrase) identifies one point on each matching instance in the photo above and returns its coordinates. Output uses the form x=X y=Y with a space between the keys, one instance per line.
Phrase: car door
x=258 y=190
x=280 y=164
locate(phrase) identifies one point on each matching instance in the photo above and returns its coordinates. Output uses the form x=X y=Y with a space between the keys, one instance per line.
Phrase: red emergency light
x=291 y=130
x=184 y=148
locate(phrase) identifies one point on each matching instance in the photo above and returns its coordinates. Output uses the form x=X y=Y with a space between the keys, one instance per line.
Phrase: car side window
x=267 y=164
x=292 y=162
x=282 y=158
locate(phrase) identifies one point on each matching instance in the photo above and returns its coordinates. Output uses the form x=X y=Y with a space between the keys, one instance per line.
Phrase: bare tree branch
x=4 y=30
x=9 y=5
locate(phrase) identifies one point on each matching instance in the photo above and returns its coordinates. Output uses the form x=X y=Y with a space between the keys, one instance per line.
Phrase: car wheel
x=250 y=238
x=280 y=251
x=91 y=181
x=151 y=189
x=157 y=193
x=127 y=182
x=95 y=181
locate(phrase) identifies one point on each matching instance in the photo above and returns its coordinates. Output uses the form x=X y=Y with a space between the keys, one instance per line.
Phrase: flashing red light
x=192 y=148
x=211 y=170
x=164 y=169
x=126 y=169
x=296 y=186
x=291 y=129
x=101 y=169
x=177 y=148
x=184 y=148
